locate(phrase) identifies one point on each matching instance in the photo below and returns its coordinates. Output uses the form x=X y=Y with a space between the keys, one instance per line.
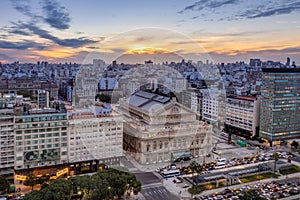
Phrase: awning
x=184 y=154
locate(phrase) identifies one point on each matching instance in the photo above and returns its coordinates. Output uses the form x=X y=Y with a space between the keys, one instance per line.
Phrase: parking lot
x=266 y=191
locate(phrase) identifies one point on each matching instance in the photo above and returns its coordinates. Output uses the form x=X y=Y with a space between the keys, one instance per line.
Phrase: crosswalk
x=157 y=192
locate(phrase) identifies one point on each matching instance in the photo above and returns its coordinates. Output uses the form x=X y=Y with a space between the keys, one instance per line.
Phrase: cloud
x=21 y=45
x=23 y=7
x=56 y=15
x=275 y=9
x=73 y=42
x=241 y=9
x=4 y=57
x=202 y=4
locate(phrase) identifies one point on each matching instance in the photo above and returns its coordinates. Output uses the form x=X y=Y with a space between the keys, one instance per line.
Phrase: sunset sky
x=226 y=30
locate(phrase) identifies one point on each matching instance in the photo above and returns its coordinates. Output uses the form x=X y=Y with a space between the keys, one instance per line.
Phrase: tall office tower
x=280 y=104
x=7 y=144
x=288 y=61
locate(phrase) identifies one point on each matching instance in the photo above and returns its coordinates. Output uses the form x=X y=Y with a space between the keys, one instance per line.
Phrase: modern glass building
x=280 y=104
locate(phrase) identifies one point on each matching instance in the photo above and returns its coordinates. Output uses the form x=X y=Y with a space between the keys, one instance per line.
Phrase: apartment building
x=242 y=116
x=40 y=138
x=7 y=144
x=95 y=137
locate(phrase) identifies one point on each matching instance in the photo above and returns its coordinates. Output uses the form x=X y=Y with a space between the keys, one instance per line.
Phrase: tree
x=59 y=189
x=4 y=184
x=195 y=167
x=250 y=195
x=30 y=181
x=276 y=158
x=25 y=93
x=106 y=184
x=295 y=144
x=103 y=98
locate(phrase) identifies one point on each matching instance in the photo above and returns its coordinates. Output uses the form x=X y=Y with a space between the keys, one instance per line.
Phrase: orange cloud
x=148 y=51
x=56 y=53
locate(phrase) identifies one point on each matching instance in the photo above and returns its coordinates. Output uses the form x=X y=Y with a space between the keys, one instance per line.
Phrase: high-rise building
x=213 y=106
x=288 y=61
x=43 y=99
x=7 y=144
x=40 y=139
x=280 y=104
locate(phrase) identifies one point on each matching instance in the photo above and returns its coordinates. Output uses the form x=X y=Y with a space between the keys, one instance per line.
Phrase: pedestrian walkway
x=176 y=188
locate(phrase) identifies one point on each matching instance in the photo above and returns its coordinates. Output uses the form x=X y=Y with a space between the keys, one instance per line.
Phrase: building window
x=154 y=145
x=160 y=145
x=148 y=147
x=166 y=144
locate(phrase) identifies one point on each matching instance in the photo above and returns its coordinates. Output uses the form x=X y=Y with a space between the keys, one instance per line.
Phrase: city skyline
x=227 y=31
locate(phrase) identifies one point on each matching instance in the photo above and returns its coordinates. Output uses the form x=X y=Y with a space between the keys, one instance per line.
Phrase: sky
x=215 y=30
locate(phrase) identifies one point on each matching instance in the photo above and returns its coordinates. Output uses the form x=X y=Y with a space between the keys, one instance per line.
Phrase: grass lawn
x=258 y=177
x=294 y=169
x=196 y=189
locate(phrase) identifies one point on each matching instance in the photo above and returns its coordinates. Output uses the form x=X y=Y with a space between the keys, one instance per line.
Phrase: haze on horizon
x=223 y=30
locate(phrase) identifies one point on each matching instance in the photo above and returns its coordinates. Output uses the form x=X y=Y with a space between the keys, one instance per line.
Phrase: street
x=152 y=188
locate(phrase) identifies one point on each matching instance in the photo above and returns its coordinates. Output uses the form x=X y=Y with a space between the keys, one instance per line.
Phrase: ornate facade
x=158 y=129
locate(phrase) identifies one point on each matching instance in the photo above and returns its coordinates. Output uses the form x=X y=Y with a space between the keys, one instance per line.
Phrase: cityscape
x=149 y=100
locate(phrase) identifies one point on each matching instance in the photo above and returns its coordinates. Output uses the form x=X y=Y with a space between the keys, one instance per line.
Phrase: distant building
x=95 y=138
x=280 y=104
x=86 y=83
x=158 y=129
x=288 y=61
x=192 y=98
x=242 y=116
x=29 y=84
x=255 y=62
x=43 y=99
x=213 y=106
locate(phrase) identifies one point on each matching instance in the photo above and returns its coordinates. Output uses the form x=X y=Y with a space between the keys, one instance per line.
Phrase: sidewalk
x=176 y=188
x=153 y=166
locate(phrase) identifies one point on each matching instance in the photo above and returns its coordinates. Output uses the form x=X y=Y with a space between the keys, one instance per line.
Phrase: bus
x=170 y=173
x=220 y=165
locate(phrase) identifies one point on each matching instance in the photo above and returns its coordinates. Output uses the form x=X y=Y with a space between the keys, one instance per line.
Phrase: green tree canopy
x=106 y=184
x=295 y=144
x=4 y=184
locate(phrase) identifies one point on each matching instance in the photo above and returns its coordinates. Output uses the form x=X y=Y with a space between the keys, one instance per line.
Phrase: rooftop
x=148 y=101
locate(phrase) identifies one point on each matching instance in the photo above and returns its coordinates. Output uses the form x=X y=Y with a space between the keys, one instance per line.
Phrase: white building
x=242 y=115
x=7 y=143
x=86 y=83
x=95 y=134
x=212 y=106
